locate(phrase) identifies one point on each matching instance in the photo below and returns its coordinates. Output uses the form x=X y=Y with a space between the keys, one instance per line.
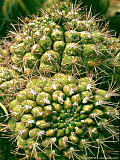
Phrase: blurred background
x=113 y=16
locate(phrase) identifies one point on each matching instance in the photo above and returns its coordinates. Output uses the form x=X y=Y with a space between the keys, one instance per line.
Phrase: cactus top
x=61 y=116
x=64 y=40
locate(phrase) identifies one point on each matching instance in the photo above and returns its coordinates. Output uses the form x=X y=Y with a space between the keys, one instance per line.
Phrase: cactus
x=63 y=116
x=65 y=40
x=12 y=10
x=66 y=108
x=10 y=83
x=99 y=7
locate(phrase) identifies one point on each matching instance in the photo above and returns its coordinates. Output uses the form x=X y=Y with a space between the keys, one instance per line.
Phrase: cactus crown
x=65 y=40
x=62 y=116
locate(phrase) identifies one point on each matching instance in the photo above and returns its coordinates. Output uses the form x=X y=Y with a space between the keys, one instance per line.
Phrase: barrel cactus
x=63 y=116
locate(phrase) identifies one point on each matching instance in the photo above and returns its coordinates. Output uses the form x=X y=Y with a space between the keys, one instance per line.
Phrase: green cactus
x=65 y=40
x=10 y=83
x=63 y=116
x=4 y=55
x=66 y=110
x=11 y=10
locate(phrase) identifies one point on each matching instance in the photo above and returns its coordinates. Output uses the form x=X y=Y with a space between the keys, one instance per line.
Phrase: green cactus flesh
x=65 y=40
x=63 y=118
x=4 y=56
x=10 y=84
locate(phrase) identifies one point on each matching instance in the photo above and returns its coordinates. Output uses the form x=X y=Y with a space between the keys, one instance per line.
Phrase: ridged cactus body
x=65 y=40
x=10 y=84
x=64 y=111
x=4 y=56
x=62 y=116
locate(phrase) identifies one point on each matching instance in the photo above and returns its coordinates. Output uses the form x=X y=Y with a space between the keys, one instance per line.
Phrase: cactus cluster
x=54 y=78
x=63 y=116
